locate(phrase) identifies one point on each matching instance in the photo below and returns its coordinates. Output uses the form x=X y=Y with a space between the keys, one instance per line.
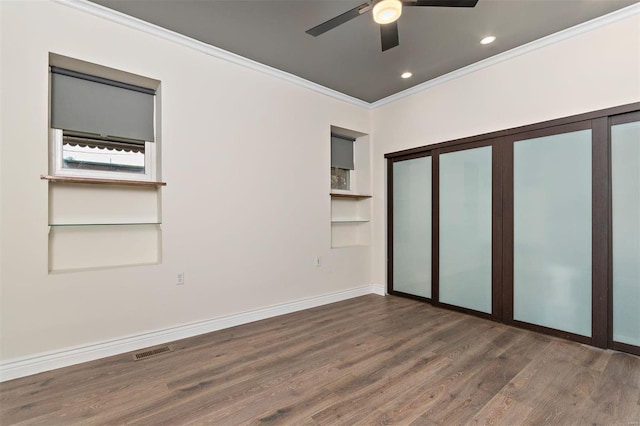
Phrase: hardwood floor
x=370 y=360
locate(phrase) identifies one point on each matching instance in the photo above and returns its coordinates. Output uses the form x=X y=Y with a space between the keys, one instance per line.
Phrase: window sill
x=354 y=196
x=68 y=179
x=105 y=224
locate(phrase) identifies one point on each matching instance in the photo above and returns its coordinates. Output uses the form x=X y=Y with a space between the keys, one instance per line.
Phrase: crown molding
x=138 y=24
x=155 y=30
x=627 y=12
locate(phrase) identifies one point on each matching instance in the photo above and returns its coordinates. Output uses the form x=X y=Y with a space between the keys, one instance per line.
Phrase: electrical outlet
x=180 y=278
x=318 y=261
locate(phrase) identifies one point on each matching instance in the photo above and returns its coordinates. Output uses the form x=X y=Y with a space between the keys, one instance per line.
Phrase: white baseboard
x=379 y=289
x=26 y=366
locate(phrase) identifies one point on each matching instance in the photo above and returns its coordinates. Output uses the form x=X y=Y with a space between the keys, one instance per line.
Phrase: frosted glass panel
x=412 y=226
x=625 y=166
x=552 y=231
x=465 y=229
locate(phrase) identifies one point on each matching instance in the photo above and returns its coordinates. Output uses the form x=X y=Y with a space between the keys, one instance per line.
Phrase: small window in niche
x=341 y=162
x=340 y=179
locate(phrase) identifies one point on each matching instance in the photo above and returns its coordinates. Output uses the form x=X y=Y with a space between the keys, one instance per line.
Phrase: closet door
x=625 y=221
x=549 y=194
x=410 y=265
x=465 y=217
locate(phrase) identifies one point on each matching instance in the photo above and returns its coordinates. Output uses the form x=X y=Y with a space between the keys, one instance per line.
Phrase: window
x=101 y=128
x=341 y=162
x=340 y=179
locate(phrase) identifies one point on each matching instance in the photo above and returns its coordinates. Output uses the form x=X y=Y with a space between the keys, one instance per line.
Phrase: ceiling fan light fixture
x=387 y=11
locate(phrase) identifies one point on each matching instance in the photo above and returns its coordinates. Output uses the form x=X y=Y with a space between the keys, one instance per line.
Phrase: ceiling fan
x=385 y=13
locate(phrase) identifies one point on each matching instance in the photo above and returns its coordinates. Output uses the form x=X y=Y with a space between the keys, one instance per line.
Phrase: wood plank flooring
x=366 y=361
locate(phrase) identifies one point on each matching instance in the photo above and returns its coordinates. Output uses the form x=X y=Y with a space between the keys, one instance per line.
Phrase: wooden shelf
x=352 y=196
x=68 y=179
x=105 y=224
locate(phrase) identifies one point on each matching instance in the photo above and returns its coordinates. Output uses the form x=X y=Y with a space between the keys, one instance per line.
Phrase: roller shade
x=89 y=104
x=342 y=152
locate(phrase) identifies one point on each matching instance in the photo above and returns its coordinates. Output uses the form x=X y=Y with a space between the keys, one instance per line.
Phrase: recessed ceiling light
x=406 y=74
x=488 y=40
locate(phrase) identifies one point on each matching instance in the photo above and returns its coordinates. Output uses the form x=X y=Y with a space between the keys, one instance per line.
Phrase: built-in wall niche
x=103 y=225
x=104 y=207
x=85 y=247
x=351 y=208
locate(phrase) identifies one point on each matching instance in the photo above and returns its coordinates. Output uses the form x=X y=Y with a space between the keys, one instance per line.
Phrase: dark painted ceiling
x=433 y=40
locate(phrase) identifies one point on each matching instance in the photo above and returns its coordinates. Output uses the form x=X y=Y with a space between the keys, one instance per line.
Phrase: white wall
x=591 y=71
x=245 y=211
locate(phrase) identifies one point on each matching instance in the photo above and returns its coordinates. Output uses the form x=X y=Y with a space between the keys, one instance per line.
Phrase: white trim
x=591 y=25
x=26 y=366
x=378 y=289
x=138 y=24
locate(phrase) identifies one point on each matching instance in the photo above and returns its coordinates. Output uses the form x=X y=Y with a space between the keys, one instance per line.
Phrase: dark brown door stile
x=435 y=227
x=497 y=214
x=507 y=232
x=390 y=226
x=601 y=176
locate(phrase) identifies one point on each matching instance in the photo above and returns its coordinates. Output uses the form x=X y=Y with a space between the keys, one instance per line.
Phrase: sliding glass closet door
x=411 y=217
x=536 y=226
x=465 y=228
x=552 y=229
x=625 y=209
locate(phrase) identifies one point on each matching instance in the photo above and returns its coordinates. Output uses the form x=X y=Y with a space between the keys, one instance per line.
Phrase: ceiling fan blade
x=339 y=20
x=389 y=35
x=441 y=3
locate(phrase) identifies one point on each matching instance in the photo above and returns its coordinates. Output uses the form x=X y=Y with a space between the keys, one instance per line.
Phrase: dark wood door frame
x=496 y=225
x=390 y=162
x=612 y=121
x=599 y=234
